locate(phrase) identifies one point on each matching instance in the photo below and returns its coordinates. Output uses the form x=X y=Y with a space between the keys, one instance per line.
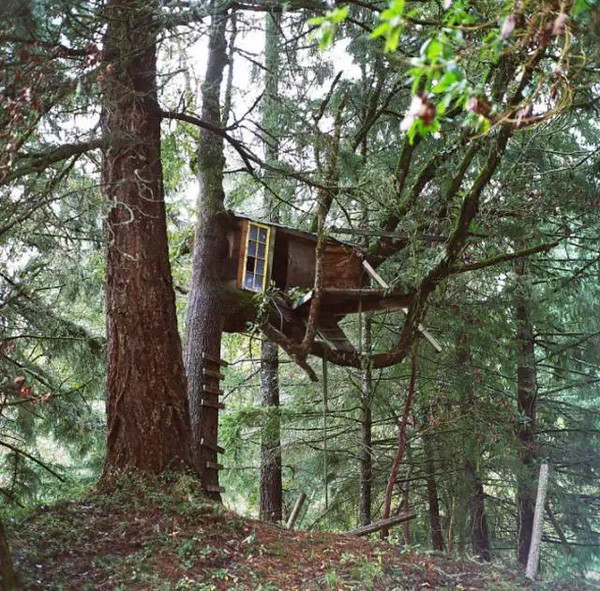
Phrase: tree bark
x=437 y=535
x=526 y=404
x=271 y=488
x=207 y=302
x=480 y=542
x=147 y=414
x=366 y=427
x=8 y=578
x=271 y=493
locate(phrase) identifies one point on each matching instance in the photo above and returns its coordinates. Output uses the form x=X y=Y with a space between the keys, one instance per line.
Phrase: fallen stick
x=373 y=527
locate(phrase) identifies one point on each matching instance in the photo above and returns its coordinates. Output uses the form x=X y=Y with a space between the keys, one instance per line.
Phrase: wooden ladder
x=211 y=391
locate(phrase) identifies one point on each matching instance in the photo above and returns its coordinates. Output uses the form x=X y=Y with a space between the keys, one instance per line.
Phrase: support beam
x=371 y=271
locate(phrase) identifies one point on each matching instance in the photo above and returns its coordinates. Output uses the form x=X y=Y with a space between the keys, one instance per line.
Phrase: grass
x=164 y=535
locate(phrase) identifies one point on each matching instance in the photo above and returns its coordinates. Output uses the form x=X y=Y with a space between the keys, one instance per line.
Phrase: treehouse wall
x=291 y=259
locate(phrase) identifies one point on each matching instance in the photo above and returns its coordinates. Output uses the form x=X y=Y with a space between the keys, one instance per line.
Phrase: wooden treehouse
x=256 y=257
x=262 y=255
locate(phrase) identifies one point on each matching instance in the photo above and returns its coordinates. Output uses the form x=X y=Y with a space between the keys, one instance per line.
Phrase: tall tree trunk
x=526 y=402
x=271 y=493
x=480 y=542
x=147 y=413
x=271 y=488
x=366 y=427
x=8 y=579
x=207 y=302
x=437 y=535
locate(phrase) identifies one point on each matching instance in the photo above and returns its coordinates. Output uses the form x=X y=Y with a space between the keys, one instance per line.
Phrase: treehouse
x=262 y=255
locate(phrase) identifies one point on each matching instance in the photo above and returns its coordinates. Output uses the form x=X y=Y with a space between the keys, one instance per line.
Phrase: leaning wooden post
x=296 y=511
x=536 y=534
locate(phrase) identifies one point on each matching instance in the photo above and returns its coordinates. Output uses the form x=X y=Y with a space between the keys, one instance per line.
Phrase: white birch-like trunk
x=536 y=534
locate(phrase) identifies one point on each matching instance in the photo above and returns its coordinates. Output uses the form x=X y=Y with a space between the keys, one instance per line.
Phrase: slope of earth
x=166 y=536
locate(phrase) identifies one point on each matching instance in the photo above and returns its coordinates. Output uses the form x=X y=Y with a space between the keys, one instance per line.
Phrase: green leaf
x=434 y=50
x=380 y=30
x=339 y=14
x=449 y=79
x=392 y=40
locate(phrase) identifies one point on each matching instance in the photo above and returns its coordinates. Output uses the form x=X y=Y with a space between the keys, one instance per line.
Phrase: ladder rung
x=212 y=391
x=211 y=404
x=213 y=374
x=217 y=448
x=212 y=359
x=214 y=466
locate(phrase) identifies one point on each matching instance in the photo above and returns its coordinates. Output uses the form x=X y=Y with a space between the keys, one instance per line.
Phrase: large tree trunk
x=366 y=426
x=271 y=494
x=207 y=303
x=148 y=426
x=526 y=401
x=271 y=489
x=8 y=579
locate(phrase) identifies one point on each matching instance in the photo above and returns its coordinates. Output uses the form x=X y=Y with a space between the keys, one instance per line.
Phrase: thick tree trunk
x=480 y=543
x=526 y=402
x=271 y=495
x=271 y=489
x=148 y=426
x=437 y=535
x=8 y=579
x=207 y=303
x=366 y=427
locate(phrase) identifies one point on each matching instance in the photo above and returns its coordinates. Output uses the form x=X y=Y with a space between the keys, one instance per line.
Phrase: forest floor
x=138 y=536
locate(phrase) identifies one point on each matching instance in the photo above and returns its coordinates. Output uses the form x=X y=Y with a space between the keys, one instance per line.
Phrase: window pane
x=258 y=279
x=252 y=248
x=250 y=264
x=253 y=232
x=261 y=250
x=249 y=280
x=260 y=265
x=262 y=234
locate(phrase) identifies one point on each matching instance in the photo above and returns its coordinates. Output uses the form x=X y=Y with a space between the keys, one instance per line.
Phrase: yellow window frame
x=266 y=259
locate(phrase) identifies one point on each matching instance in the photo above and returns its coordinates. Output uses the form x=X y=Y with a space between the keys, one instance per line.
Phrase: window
x=257 y=253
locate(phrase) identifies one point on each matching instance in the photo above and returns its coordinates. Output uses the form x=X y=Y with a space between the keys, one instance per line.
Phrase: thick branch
x=505 y=257
x=36 y=163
